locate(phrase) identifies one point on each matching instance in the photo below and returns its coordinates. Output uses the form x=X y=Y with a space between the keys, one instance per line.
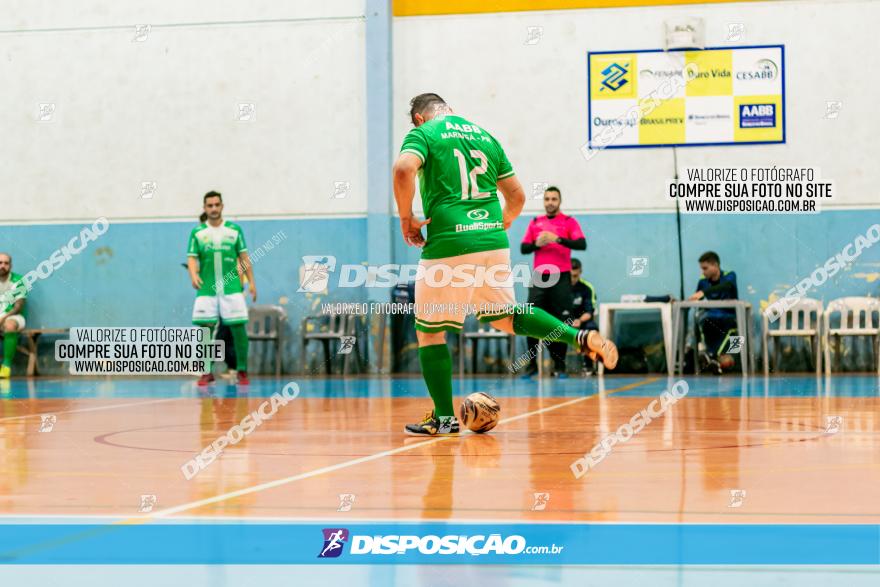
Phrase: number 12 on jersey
x=469 y=186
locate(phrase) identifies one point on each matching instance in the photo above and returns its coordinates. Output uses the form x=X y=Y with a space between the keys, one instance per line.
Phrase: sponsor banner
x=715 y=96
x=332 y=543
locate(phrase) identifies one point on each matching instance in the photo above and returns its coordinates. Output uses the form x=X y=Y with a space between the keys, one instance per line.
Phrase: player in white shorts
x=449 y=289
x=461 y=168
x=216 y=254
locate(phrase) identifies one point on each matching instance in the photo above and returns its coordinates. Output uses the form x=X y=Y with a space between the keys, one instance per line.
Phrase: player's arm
x=576 y=240
x=589 y=304
x=580 y=310
x=244 y=262
x=514 y=199
x=17 y=308
x=699 y=294
x=192 y=260
x=192 y=265
x=722 y=287
x=404 y=179
x=528 y=245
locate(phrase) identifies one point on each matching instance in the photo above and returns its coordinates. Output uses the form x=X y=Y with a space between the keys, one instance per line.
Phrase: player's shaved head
x=424 y=107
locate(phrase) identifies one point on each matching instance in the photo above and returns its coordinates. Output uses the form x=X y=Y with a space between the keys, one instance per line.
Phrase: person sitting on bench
x=12 y=315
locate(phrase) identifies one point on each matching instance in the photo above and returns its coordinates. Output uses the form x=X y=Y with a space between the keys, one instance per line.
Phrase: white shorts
x=449 y=289
x=230 y=307
x=17 y=318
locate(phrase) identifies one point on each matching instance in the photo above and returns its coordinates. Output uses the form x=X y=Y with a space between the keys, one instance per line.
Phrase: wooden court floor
x=112 y=442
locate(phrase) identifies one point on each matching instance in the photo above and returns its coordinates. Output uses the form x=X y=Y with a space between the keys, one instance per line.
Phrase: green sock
x=436 y=362
x=212 y=334
x=240 y=342
x=10 y=342
x=537 y=323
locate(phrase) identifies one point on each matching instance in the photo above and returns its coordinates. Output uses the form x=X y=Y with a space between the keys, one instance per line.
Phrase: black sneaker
x=433 y=426
x=705 y=361
x=715 y=367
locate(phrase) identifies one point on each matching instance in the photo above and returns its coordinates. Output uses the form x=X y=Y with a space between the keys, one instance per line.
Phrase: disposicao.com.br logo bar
x=316 y=270
x=400 y=545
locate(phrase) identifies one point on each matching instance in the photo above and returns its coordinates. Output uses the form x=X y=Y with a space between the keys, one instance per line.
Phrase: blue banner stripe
x=384 y=543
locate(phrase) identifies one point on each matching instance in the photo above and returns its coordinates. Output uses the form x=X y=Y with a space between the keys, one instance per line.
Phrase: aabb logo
x=757 y=115
x=334 y=540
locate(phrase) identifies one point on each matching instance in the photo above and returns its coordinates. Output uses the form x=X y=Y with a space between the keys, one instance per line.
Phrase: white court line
x=351 y=463
x=95 y=409
x=11 y=519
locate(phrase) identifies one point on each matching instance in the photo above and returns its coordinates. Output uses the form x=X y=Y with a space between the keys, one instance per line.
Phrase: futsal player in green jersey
x=216 y=252
x=12 y=313
x=461 y=167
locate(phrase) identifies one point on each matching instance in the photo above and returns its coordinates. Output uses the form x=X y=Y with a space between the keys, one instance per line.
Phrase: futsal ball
x=479 y=412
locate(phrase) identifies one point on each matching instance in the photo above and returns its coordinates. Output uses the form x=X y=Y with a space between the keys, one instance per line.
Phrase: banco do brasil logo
x=614 y=77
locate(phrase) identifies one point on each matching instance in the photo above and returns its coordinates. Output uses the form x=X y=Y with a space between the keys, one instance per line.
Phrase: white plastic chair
x=804 y=319
x=858 y=317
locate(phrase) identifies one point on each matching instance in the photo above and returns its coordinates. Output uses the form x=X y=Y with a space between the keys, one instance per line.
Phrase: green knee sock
x=10 y=342
x=240 y=342
x=537 y=323
x=212 y=338
x=436 y=362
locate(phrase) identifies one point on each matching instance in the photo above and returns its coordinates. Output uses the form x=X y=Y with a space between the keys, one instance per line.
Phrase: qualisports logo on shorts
x=614 y=77
x=334 y=540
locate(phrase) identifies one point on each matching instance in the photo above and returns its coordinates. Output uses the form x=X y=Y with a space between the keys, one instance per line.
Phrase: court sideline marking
x=95 y=409
x=353 y=462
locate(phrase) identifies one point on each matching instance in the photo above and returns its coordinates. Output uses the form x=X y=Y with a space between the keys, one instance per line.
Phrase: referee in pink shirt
x=552 y=238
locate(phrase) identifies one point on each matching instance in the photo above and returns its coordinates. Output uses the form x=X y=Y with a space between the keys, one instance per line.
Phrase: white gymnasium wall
x=533 y=97
x=165 y=109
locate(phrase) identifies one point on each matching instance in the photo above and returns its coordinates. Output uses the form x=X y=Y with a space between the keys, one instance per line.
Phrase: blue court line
x=502 y=386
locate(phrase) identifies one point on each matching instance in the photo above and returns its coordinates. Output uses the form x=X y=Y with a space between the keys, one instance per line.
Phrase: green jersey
x=461 y=166
x=217 y=248
x=11 y=290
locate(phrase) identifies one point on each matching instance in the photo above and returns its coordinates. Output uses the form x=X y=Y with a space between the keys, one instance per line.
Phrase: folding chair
x=803 y=319
x=858 y=317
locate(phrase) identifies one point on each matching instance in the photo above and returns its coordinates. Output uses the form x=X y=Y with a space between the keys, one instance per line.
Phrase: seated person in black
x=716 y=325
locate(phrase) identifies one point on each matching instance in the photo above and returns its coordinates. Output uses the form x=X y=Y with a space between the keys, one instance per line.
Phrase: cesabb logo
x=478 y=214
x=765 y=69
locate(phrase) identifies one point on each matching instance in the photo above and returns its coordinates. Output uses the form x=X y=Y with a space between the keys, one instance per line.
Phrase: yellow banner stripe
x=430 y=7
